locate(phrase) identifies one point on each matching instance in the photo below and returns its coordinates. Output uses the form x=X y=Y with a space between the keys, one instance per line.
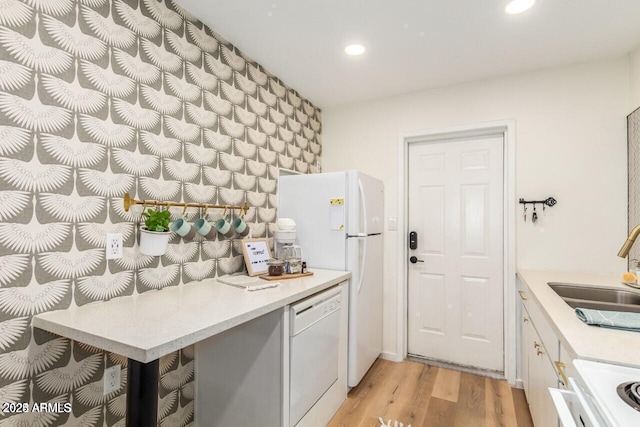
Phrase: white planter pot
x=153 y=242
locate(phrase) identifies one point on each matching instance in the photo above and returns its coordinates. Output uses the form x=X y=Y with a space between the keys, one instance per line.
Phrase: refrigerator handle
x=363 y=262
x=363 y=205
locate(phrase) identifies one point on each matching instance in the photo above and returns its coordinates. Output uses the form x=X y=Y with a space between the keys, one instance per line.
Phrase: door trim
x=508 y=129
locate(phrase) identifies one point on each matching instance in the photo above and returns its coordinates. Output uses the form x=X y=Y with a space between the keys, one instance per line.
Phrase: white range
x=602 y=395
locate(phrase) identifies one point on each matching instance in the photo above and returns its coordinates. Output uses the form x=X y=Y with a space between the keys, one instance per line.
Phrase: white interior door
x=455 y=289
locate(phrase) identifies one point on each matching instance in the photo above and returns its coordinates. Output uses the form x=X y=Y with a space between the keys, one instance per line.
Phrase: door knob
x=414 y=259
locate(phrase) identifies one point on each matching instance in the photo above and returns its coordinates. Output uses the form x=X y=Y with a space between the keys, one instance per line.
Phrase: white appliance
x=284 y=235
x=315 y=327
x=339 y=222
x=593 y=399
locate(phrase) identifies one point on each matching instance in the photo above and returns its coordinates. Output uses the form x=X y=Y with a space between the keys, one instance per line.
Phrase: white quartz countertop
x=581 y=340
x=147 y=326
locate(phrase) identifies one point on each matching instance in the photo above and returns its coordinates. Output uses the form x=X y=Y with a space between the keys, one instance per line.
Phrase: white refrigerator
x=339 y=222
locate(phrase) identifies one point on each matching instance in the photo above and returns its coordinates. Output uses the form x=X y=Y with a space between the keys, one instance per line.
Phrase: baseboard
x=392 y=357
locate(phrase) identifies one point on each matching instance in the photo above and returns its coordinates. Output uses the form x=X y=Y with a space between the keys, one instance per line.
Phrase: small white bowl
x=285 y=224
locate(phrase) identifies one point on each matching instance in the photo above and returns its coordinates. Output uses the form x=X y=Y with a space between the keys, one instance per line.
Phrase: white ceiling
x=414 y=44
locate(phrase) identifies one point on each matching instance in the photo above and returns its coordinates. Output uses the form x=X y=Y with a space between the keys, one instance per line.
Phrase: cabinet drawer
x=523 y=293
x=565 y=366
x=545 y=332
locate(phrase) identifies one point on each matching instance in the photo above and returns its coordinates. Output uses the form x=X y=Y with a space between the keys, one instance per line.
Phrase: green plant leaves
x=156 y=220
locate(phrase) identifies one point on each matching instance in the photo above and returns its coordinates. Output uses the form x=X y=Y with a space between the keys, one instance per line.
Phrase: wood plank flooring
x=427 y=396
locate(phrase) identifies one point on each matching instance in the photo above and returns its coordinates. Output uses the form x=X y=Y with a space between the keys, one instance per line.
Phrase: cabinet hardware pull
x=536 y=345
x=522 y=295
x=524 y=319
x=540 y=352
x=560 y=368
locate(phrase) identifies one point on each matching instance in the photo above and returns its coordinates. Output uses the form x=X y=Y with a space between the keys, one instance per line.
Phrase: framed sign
x=256 y=254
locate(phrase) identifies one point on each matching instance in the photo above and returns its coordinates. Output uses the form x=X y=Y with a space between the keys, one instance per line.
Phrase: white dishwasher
x=315 y=327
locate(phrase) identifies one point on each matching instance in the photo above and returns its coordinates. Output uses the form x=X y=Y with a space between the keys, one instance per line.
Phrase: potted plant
x=154 y=234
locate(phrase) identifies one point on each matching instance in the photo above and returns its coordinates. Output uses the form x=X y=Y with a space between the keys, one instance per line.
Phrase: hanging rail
x=129 y=201
x=548 y=202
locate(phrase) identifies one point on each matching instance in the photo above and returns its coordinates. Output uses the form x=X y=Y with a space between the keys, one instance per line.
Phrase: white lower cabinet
x=544 y=362
x=538 y=375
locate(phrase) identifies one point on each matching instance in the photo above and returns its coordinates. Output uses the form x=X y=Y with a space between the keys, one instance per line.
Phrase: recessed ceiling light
x=354 y=49
x=518 y=6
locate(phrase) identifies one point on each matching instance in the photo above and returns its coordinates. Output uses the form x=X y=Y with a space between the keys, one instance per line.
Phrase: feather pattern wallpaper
x=99 y=98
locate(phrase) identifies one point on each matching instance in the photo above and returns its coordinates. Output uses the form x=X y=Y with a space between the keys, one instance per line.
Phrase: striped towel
x=248 y=283
x=610 y=319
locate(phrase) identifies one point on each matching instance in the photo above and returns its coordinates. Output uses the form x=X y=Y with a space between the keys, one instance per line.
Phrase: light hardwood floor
x=422 y=395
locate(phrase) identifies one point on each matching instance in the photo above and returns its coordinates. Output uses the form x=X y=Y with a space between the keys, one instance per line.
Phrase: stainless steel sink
x=597 y=297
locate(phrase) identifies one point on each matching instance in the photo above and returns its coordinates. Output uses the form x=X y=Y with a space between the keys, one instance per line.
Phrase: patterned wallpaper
x=103 y=97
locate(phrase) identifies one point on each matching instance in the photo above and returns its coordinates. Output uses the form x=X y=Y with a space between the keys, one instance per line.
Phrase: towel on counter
x=246 y=282
x=610 y=319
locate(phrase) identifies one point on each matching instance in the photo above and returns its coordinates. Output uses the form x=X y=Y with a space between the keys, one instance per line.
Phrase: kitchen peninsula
x=147 y=326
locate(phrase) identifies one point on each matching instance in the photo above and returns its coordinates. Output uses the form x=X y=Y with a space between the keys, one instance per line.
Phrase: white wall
x=571 y=144
x=634 y=58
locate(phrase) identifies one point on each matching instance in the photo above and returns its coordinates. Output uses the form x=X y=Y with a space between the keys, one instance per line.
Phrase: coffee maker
x=284 y=245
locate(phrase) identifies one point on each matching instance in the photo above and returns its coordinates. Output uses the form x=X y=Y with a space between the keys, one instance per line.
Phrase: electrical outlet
x=114 y=245
x=111 y=379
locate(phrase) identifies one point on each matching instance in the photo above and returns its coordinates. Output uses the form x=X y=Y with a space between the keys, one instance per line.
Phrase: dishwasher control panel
x=313 y=309
x=331 y=305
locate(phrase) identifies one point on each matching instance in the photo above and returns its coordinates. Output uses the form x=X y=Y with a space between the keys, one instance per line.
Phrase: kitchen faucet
x=624 y=251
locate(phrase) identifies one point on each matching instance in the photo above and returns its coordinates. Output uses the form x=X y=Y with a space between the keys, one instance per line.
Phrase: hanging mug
x=204 y=228
x=182 y=228
x=224 y=227
x=241 y=227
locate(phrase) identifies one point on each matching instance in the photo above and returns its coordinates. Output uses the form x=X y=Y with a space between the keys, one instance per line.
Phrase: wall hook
x=550 y=201
x=547 y=202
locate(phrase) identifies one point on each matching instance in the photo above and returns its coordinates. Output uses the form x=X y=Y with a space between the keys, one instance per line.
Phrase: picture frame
x=256 y=254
